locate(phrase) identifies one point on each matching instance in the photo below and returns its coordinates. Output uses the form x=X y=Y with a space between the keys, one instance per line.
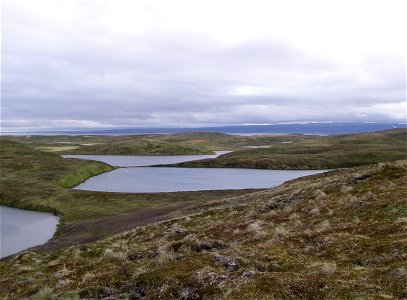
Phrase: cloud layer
x=87 y=64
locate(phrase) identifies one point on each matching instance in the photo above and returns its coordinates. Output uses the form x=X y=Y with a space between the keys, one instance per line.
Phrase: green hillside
x=340 y=235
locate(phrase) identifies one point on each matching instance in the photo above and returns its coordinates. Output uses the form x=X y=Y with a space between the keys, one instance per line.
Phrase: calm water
x=151 y=180
x=143 y=160
x=22 y=229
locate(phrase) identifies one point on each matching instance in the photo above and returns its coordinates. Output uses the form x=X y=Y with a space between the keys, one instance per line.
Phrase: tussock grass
x=279 y=234
x=327 y=269
x=165 y=255
x=256 y=230
x=315 y=212
x=319 y=195
x=44 y=294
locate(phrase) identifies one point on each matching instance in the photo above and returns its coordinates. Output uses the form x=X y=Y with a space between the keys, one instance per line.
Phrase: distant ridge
x=309 y=128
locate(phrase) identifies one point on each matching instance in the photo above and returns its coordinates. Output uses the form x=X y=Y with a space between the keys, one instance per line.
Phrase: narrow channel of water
x=143 y=160
x=21 y=229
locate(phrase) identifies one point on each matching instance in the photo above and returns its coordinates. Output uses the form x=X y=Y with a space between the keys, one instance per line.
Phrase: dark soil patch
x=93 y=230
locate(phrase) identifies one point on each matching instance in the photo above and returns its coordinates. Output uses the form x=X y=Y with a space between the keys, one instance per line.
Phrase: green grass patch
x=80 y=174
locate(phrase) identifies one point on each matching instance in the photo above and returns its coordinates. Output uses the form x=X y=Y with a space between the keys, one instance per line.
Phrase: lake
x=22 y=229
x=143 y=160
x=154 y=179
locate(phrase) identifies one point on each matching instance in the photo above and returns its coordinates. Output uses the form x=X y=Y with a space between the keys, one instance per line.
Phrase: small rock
x=360 y=178
x=177 y=230
x=152 y=254
x=179 y=257
x=248 y=274
x=105 y=292
x=138 y=294
x=95 y=292
x=222 y=277
x=227 y=261
x=189 y=293
x=135 y=256
x=260 y=267
x=398 y=273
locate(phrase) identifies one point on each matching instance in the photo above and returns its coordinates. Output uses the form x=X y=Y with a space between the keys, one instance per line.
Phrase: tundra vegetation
x=338 y=235
x=283 y=152
x=151 y=144
x=330 y=152
x=284 y=243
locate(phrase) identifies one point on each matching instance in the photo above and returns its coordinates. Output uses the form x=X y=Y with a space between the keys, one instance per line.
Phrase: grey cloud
x=88 y=76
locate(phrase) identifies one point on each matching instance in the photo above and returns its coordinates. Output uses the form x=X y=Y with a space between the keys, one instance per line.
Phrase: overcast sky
x=68 y=64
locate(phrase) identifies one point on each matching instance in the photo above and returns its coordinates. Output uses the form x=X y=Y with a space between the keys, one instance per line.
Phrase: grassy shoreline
x=29 y=176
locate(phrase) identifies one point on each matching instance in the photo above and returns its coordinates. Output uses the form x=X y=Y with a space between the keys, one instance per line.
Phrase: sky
x=183 y=63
